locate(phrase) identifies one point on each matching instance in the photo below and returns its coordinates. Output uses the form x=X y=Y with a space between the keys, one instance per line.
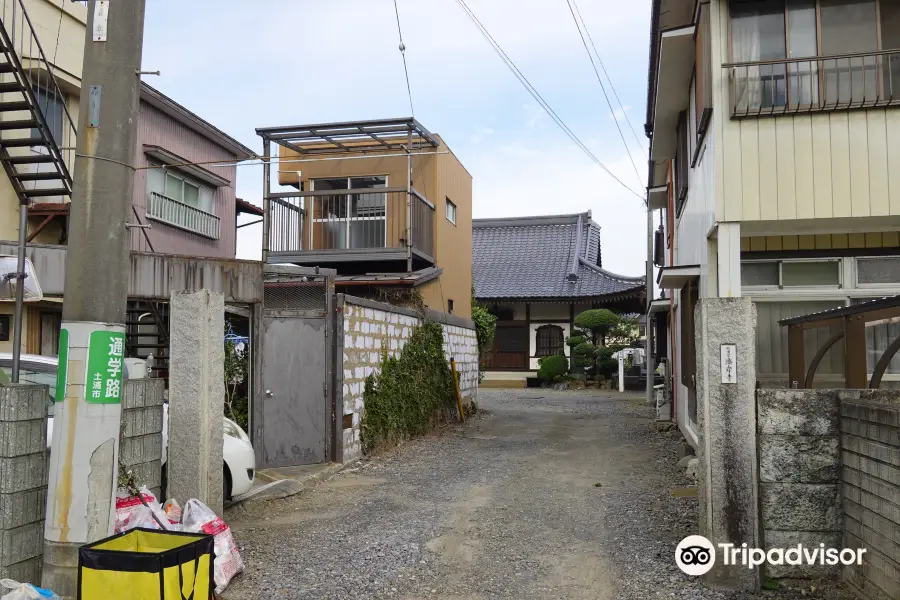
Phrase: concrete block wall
x=23 y=480
x=366 y=331
x=140 y=449
x=799 y=474
x=870 y=448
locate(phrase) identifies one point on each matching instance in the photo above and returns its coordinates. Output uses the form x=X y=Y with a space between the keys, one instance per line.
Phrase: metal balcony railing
x=350 y=220
x=183 y=216
x=819 y=83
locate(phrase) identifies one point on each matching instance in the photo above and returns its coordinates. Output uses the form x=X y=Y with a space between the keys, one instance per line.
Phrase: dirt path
x=549 y=495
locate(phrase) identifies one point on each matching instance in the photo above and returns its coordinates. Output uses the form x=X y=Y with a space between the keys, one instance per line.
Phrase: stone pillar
x=196 y=397
x=23 y=480
x=726 y=408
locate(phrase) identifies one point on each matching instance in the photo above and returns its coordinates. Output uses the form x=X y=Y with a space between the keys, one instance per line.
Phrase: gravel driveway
x=544 y=495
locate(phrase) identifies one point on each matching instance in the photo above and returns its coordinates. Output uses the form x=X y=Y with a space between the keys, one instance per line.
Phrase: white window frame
x=752 y=289
x=348 y=219
x=845 y=294
x=447 y=210
x=184 y=180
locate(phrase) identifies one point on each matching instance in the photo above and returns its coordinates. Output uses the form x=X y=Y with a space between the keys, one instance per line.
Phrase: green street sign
x=105 y=366
x=63 y=368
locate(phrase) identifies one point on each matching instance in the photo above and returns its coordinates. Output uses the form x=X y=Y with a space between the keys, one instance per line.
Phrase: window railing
x=183 y=216
x=819 y=83
x=349 y=220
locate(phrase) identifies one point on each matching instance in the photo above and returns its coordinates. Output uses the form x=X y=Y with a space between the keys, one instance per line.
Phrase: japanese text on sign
x=729 y=363
x=106 y=356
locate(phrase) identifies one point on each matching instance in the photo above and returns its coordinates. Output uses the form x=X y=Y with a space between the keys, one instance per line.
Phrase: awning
x=658 y=197
x=181 y=164
x=675 y=278
x=673 y=84
x=660 y=306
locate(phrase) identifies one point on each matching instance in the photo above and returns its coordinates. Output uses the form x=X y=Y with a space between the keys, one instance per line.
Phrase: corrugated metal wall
x=155 y=128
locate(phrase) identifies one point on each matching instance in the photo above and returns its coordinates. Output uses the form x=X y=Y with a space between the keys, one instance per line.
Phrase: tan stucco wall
x=438 y=177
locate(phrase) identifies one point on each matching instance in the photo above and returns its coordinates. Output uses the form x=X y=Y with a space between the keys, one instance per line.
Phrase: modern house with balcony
x=775 y=166
x=385 y=203
x=190 y=209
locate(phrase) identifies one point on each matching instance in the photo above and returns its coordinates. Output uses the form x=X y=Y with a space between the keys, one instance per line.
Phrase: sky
x=242 y=65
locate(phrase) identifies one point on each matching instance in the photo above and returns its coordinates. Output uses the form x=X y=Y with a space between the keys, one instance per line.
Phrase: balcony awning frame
x=352 y=137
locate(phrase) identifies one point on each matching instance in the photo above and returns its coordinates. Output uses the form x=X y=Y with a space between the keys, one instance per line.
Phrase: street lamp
x=19 y=286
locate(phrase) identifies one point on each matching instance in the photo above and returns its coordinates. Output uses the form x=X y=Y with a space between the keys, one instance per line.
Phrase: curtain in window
x=757 y=34
x=550 y=340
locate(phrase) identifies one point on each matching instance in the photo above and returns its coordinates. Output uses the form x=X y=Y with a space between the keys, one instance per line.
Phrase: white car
x=240 y=460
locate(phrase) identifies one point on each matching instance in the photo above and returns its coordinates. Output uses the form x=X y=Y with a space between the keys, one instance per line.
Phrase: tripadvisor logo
x=695 y=555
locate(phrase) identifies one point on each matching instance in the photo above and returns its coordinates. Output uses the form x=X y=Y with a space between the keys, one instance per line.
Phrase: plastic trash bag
x=24 y=591
x=139 y=511
x=172 y=510
x=198 y=517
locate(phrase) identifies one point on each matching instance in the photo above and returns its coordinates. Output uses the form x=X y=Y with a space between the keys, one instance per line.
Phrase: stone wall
x=799 y=474
x=870 y=446
x=23 y=480
x=140 y=449
x=366 y=331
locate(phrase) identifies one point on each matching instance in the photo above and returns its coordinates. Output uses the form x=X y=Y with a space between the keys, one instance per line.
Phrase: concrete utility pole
x=83 y=464
x=649 y=359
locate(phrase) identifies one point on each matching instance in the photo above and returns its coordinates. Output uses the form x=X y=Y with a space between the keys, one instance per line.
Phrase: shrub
x=585 y=349
x=553 y=368
x=576 y=340
x=598 y=321
x=485 y=326
x=411 y=393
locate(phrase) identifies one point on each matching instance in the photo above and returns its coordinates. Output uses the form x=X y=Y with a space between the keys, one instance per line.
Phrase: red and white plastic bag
x=197 y=518
x=132 y=513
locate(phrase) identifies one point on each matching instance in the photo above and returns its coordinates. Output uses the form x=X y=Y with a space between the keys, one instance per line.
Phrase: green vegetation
x=236 y=368
x=553 y=369
x=412 y=392
x=599 y=333
x=485 y=328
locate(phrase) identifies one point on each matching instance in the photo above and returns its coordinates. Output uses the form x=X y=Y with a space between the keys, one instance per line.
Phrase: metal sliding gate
x=294 y=417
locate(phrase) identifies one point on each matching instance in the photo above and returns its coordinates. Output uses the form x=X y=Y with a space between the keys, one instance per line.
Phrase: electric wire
x=578 y=26
x=608 y=78
x=537 y=96
x=403 y=54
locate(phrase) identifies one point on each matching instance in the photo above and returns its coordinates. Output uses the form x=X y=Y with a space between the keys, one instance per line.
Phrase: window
x=874 y=271
x=703 y=97
x=682 y=163
x=781 y=33
x=451 y=211
x=879 y=336
x=4 y=328
x=353 y=219
x=176 y=187
x=550 y=341
x=52 y=107
x=785 y=274
x=449 y=306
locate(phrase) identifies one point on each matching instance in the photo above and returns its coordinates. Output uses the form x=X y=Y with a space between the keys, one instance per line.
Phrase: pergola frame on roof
x=851 y=323
x=403 y=135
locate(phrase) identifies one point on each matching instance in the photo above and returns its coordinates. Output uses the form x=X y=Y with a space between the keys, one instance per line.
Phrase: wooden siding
x=822 y=165
x=835 y=241
x=155 y=128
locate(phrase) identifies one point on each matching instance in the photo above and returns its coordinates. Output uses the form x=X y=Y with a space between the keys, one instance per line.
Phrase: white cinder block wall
x=371 y=328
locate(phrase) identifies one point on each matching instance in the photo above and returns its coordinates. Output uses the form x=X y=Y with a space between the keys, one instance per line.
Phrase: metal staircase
x=37 y=133
x=147 y=332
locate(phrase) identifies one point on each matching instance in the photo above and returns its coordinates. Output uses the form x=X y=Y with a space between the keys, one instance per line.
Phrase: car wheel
x=226 y=483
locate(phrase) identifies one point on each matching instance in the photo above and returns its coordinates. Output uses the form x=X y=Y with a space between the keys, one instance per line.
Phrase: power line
x=609 y=79
x=403 y=54
x=603 y=88
x=536 y=95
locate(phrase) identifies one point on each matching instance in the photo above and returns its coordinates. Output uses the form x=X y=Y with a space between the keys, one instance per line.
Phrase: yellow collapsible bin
x=146 y=564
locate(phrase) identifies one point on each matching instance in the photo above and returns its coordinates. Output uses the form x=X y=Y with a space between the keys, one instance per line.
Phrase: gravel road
x=545 y=494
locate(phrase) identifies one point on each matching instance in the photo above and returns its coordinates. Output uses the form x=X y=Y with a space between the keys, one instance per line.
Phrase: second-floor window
x=816 y=54
x=354 y=217
x=179 y=188
x=451 y=211
x=51 y=106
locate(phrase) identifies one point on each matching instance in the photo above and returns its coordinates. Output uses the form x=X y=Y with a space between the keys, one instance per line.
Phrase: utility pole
x=84 y=461
x=649 y=359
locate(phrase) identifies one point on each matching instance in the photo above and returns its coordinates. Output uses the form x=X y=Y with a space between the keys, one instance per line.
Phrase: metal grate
x=296 y=293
